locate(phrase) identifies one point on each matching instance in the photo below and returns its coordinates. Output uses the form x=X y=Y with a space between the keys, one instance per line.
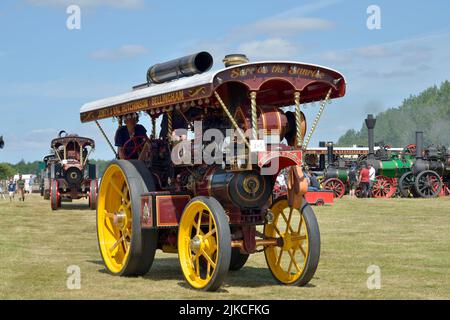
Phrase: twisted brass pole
x=169 y=124
x=227 y=112
x=316 y=120
x=107 y=140
x=254 y=115
x=298 y=119
x=154 y=128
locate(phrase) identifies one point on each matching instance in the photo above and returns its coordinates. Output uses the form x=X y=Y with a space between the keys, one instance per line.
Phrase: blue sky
x=48 y=71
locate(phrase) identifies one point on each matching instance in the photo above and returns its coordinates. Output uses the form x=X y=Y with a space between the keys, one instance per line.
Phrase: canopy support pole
x=106 y=138
x=154 y=128
x=81 y=153
x=233 y=121
x=169 y=125
x=298 y=119
x=316 y=120
x=87 y=156
x=254 y=115
x=57 y=154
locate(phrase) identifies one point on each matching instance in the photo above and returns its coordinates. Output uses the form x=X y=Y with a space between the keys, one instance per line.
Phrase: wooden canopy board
x=275 y=84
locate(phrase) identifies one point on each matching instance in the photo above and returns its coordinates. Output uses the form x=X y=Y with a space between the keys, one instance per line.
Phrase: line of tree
x=428 y=111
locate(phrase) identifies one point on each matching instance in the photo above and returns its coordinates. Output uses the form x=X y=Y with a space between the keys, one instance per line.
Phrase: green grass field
x=407 y=238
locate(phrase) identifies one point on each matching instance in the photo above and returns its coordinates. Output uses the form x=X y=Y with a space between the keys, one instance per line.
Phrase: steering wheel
x=133 y=147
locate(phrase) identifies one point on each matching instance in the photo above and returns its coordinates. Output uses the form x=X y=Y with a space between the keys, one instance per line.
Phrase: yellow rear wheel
x=296 y=260
x=126 y=249
x=204 y=243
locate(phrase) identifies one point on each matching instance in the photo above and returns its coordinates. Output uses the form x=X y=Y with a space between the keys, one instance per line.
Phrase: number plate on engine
x=257 y=146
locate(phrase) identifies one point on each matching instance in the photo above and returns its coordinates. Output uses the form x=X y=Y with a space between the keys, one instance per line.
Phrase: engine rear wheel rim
x=383 y=188
x=287 y=262
x=428 y=184
x=114 y=219
x=198 y=241
x=406 y=184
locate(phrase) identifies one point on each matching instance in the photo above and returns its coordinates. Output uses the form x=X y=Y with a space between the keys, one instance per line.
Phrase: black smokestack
x=370 y=123
x=419 y=144
x=330 y=157
x=322 y=144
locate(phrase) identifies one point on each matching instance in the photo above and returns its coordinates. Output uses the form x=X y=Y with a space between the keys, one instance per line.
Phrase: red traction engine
x=203 y=187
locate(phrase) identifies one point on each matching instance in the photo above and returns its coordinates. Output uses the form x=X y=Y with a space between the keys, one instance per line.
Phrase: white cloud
x=123 y=4
x=277 y=29
x=306 y=9
x=124 y=52
x=273 y=48
x=373 y=51
x=337 y=57
x=364 y=53
x=287 y=26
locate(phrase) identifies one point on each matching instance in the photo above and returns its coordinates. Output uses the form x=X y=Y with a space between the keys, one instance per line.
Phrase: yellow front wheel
x=204 y=243
x=126 y=249
x=295 y=261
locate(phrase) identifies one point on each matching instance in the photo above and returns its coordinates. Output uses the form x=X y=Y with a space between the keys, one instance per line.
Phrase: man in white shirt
x=372 y=178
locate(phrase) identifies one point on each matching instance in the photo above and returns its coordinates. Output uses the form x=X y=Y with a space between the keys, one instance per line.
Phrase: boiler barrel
x=337 y=173
x=245 y=189
x=394 y=168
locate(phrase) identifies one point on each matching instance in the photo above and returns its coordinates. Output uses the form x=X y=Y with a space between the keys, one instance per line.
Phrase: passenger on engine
x=130 y=138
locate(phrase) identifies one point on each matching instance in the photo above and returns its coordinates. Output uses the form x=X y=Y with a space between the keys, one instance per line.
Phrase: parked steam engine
x=430 y=173
x=389 y=167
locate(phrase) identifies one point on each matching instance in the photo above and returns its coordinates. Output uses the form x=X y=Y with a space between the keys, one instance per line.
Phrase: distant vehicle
x=45 y=182
x=68 y=173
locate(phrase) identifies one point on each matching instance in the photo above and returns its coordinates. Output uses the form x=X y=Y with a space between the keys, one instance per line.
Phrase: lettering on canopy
x=167 y=98
x=262 y=72
x=156 y=101
x=282 y=70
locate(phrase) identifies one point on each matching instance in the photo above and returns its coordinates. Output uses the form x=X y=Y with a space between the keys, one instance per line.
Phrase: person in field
x=21 y=187
x=353 y=180
x=364 y=181
x=372 y=178
x=130 y=130
x=11 y=189
x=2 y=194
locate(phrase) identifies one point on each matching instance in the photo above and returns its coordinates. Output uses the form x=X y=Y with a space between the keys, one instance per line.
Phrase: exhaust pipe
x=330 y=157
x=322 y=144
x=181 y=67
x=370 y=123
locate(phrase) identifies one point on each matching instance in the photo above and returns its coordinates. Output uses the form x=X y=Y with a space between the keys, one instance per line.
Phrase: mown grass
x=407 y=238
